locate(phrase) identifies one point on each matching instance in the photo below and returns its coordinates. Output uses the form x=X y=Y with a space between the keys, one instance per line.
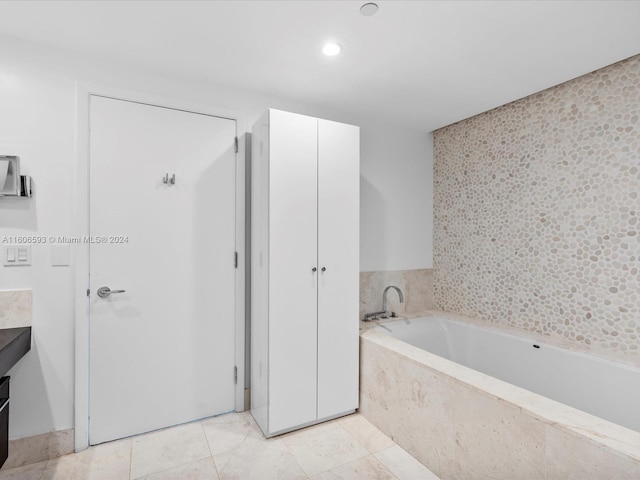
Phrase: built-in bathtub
x=471 y=402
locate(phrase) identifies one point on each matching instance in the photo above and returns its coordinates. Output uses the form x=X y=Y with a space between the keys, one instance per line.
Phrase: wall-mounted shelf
x=12 y=184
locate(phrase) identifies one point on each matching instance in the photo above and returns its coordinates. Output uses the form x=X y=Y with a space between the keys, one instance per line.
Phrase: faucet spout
x=384 y=299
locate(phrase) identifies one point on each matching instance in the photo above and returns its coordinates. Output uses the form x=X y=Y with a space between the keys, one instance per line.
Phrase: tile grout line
x=395 y=444
x=170 y=468
x=372 y=454
x=174 y=466
x=352 y=436
x=42 y=472
x=295 y=459
x=385 y=465
x=337 y=422
x=414 y=459
x=130 y=459
x=242 y=445
x=393 y=476
x=215 y=467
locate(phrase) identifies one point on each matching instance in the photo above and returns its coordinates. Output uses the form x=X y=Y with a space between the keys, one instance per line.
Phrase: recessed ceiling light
x=369 y=9
x=331 y=49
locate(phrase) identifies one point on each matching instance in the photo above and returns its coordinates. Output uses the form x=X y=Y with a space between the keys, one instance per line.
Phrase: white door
x=161 y=352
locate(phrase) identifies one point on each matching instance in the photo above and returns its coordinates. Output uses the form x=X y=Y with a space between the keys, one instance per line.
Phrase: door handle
x=104 y=292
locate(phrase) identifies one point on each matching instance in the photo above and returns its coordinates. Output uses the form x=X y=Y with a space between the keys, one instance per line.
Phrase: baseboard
x=38 y=448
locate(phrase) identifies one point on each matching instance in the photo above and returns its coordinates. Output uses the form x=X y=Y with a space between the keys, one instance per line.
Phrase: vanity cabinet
x=304 y=270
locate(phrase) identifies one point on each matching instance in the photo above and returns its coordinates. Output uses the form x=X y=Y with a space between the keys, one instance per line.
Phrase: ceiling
x=423 y=64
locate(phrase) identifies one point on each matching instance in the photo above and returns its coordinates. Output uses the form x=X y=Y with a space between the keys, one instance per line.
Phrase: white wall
x=396 y=194
x=38 y=123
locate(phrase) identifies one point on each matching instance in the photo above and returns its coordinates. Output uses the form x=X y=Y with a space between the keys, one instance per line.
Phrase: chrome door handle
x=104 y=292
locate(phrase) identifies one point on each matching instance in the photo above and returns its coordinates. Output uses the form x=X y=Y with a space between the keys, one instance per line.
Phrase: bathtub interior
x=602 y=388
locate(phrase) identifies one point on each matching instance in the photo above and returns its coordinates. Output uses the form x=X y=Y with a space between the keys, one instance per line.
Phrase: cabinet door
x=338 y=253
x=293 y=244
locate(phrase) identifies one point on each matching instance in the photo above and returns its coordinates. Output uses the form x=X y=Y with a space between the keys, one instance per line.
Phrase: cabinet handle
x=324 y=269
x=314 y=269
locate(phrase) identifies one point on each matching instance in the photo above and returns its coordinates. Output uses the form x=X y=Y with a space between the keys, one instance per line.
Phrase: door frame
x=80 y=228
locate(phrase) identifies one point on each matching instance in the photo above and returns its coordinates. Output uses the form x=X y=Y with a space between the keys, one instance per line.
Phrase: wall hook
x=173 y=179
x=165 y=179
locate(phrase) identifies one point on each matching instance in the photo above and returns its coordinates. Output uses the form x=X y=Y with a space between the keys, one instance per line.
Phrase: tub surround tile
x=165 y=449
x=536 y=207
x=582 y=424
x=419 y=290
x=569 y=457
x=15 y=308
x=398 y=395
x=416 y=285
x=435 y=364
x=428 y=404
x=402 y=316
x=496 y=439
x=372 y=285
x=37 y=448
x=461 y=423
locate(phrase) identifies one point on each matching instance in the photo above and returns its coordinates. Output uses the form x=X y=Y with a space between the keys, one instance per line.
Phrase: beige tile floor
x=232 y=447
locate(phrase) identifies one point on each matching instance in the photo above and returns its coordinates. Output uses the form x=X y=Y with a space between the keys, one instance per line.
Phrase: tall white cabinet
x=305 y=270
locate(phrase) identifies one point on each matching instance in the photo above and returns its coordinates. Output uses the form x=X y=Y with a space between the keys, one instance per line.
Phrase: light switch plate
x=17 y=255
x=60 y=255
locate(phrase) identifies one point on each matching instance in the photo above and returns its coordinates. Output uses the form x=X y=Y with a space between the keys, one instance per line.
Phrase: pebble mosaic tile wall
x=536 y=214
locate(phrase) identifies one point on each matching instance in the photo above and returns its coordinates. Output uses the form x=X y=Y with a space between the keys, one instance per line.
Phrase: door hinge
x=235 y=259
x=235 y=375
x=235 y=144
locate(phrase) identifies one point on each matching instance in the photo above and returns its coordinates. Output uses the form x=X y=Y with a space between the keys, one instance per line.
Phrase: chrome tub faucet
x=384 y=313
x=384 y=300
